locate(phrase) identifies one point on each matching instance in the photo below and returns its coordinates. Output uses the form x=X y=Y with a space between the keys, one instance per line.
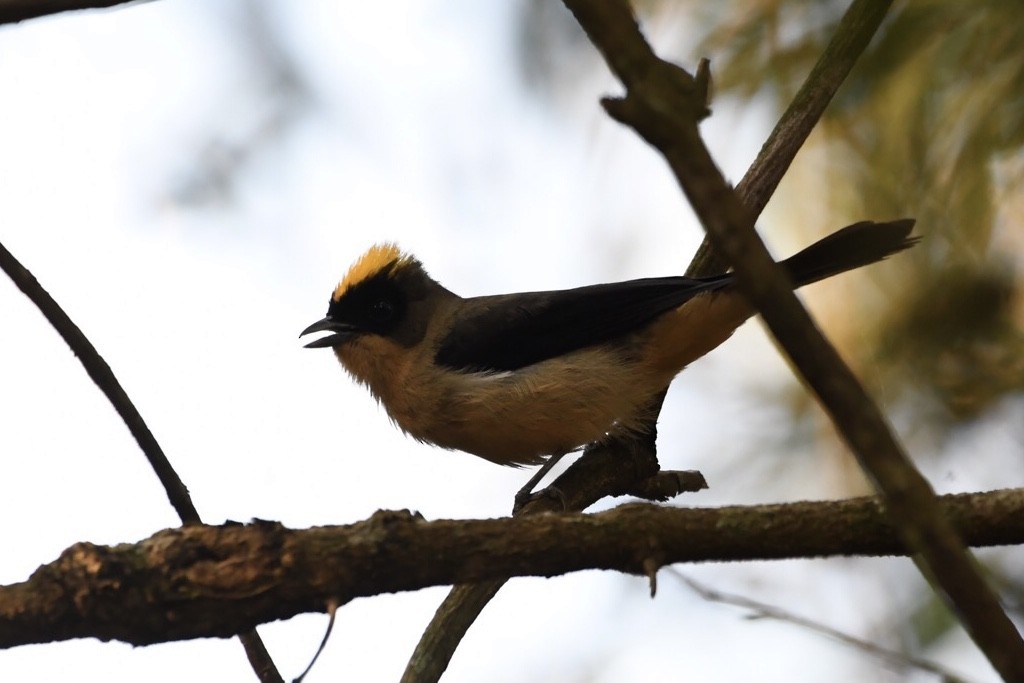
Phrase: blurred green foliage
x=929 y=124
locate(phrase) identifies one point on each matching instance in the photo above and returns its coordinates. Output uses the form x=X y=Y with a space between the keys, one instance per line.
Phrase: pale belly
x=521 y=417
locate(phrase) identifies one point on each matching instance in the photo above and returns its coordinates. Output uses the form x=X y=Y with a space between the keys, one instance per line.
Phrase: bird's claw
x=525 y=496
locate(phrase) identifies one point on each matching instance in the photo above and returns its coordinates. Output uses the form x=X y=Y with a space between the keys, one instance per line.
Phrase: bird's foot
x=526 y=496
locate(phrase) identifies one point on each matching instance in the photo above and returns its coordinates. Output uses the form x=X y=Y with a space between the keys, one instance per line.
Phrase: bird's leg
x=525 y=494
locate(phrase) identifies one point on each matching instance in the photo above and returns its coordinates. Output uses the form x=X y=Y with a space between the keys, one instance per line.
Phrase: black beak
x=342 y=333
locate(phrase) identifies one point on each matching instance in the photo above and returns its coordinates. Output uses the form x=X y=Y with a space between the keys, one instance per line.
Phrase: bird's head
x=382 y=294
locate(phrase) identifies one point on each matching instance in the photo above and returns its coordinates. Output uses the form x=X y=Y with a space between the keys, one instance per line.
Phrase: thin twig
x=762 y=610
x=464 y=603
x=104 y=378
x=332 y=612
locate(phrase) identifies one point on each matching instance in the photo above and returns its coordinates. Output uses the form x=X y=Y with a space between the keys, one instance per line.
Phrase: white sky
x=420 y=133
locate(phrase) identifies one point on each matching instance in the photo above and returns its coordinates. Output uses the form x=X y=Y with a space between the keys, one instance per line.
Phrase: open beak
x=342 y=332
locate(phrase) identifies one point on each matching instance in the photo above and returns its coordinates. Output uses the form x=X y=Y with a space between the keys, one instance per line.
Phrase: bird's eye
x=381 y=310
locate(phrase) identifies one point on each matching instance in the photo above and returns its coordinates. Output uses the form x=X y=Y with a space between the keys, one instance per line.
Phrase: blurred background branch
x=12 y=11
x=760 y=610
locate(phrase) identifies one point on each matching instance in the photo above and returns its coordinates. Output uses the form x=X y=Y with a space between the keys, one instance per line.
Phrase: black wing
x=541 y=325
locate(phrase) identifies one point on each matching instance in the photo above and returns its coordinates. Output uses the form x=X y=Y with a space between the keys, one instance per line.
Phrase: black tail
x=852 y=247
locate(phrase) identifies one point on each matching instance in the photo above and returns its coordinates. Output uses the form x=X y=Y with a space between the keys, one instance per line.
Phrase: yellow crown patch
x=379 y=257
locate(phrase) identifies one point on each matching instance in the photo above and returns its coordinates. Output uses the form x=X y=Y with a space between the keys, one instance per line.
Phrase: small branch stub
x=651 y=567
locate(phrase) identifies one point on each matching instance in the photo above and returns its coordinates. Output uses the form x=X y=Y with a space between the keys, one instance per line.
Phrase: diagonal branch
x=104 y=378
x=205 y=581
x=658 y=111
x=855 y=30
x=601 y=471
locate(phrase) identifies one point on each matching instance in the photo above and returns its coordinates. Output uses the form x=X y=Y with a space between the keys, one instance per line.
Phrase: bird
x=523 y=379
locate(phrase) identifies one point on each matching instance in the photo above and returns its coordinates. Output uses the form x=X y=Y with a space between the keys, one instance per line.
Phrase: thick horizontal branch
x=203 y=581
